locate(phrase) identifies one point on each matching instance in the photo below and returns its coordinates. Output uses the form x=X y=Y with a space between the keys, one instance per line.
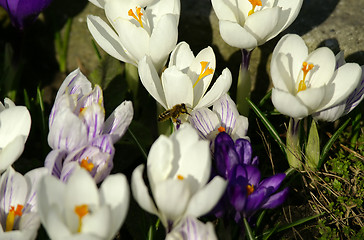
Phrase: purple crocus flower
x=23 y=12
x=246 y=193
x=79 y=135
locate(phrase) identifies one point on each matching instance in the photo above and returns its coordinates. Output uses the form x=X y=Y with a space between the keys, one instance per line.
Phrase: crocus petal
x=205 y=121
x=206 y=198
x=167 y=194
x=288 y=105
x=54 y=225
x=346 y=79
x=163 y=40
x=277 y=199
x=273 y=182
x=54 y=161
x=227 y=111
x=11 y=152
x=177 y=87
x=13 y=188
x=75 y=83
x=151 y=81
x=356 y=96
x=140 y=191
x=115 y=193
x=225 y=155
x=236 y=36
x=98 y=223
x=261 y=23
x=98 y=3
x=181 y=57
x=224 y=11
x=93 y=116
x=108 y=39
x=221 y=86
x=312 y=97
x=119 y=120
x=245 y=151
x=33 y=177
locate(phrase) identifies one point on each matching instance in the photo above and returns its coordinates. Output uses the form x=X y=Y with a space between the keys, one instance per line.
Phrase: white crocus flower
x=346 y=106
x=142 y=27
x=178 y=170
x=246 y=24
x=224 y=117
x=15 y=124
x=186 y=79
x=19 y=218
x=192 y=229
x=308 y=83
x=78 y=210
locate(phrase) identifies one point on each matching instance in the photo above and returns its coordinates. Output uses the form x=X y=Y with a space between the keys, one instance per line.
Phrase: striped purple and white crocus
x=192 y=229
x=18 y=204
x=347 y=105
x=224 y=117
x=78 y=133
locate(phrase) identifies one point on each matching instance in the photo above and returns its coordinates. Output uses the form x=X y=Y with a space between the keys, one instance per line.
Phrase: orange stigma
x=81 y=211
x=249 y=189
x=221 y=129
x=180 y=177
x=204 y=72
x=87 y=165
x=305 y=69
x=254 y=3
x=10 y=219
x=138 y=15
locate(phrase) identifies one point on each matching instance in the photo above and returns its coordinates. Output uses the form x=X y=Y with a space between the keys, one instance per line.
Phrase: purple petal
x=93 y=117
x=276 y=199
x=273 y=182
x=245 y=151
x=54 y=162
x=225 y=154
x=237 y=195
x=254 y=202
x=227 y=111
x=248 y=172
x=204 y=120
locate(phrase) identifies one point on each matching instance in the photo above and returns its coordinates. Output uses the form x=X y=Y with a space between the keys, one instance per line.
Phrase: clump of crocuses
x=246 y=193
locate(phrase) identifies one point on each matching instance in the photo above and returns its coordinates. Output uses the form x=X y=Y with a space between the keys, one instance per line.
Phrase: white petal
x=54 y=224
x=151 y=81
x=98 y=3
x=163 y=40
x=227 y=112
x=119 y=120
x=177 y=87
x=11 y=152
x=312 y=97
x=108 y=39
x=33 y=177
x=261 y=23
x=140 y=191
x=172 y=197
x=288 y=104
x=181 y=57
x=206 y=198
x=14 y=189
x=296 y=50
x=14 y=122
x=237 y=36
x=205 y=121
x=98 y=223
x=281 y=73
x=346 y=79
x=225 y=11
x=221 y=86
x=115 y=193
x=160 y=160
x=324 y=67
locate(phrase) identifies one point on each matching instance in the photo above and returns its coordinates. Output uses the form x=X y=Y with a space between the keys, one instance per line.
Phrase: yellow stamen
x=10 y=219
x=305 y=69
x=81 y=109
x=180 y=177
x=221 y=129
x=81 y=211
x=249 y=189
x=87 y=165
x=204 y=72
x=254 y=3
x=138 y=15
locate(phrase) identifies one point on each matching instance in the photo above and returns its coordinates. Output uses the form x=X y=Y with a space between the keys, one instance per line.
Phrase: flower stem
x=244 y=83
x=293 y=150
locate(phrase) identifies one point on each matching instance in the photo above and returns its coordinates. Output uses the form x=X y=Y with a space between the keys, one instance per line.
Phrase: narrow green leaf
x=138 y=144
x=151 y=232
x=328 y=145
x=268 y=125
x=270 y=233
x=98 y=54
x=265 y=98
x=26 y=99
x=313 y=147
x=260 y=218
x=44 y=123
x=248 y=230
x=298 y=222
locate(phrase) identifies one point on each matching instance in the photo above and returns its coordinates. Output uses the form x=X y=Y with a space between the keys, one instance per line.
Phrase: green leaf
x=293 y=149
x=313 y=147
x=268 y=125
x=248 y=230
x=265 y=98
x=326 y=148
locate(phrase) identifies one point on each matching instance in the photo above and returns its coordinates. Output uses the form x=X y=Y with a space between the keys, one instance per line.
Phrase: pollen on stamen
x=81 y=211
x=86 y=165
x=204 y=72
x=138 y=15
x=249 y=189
x=305 y=69
x=254 y=3
x=10 y=219
x=221 y=129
